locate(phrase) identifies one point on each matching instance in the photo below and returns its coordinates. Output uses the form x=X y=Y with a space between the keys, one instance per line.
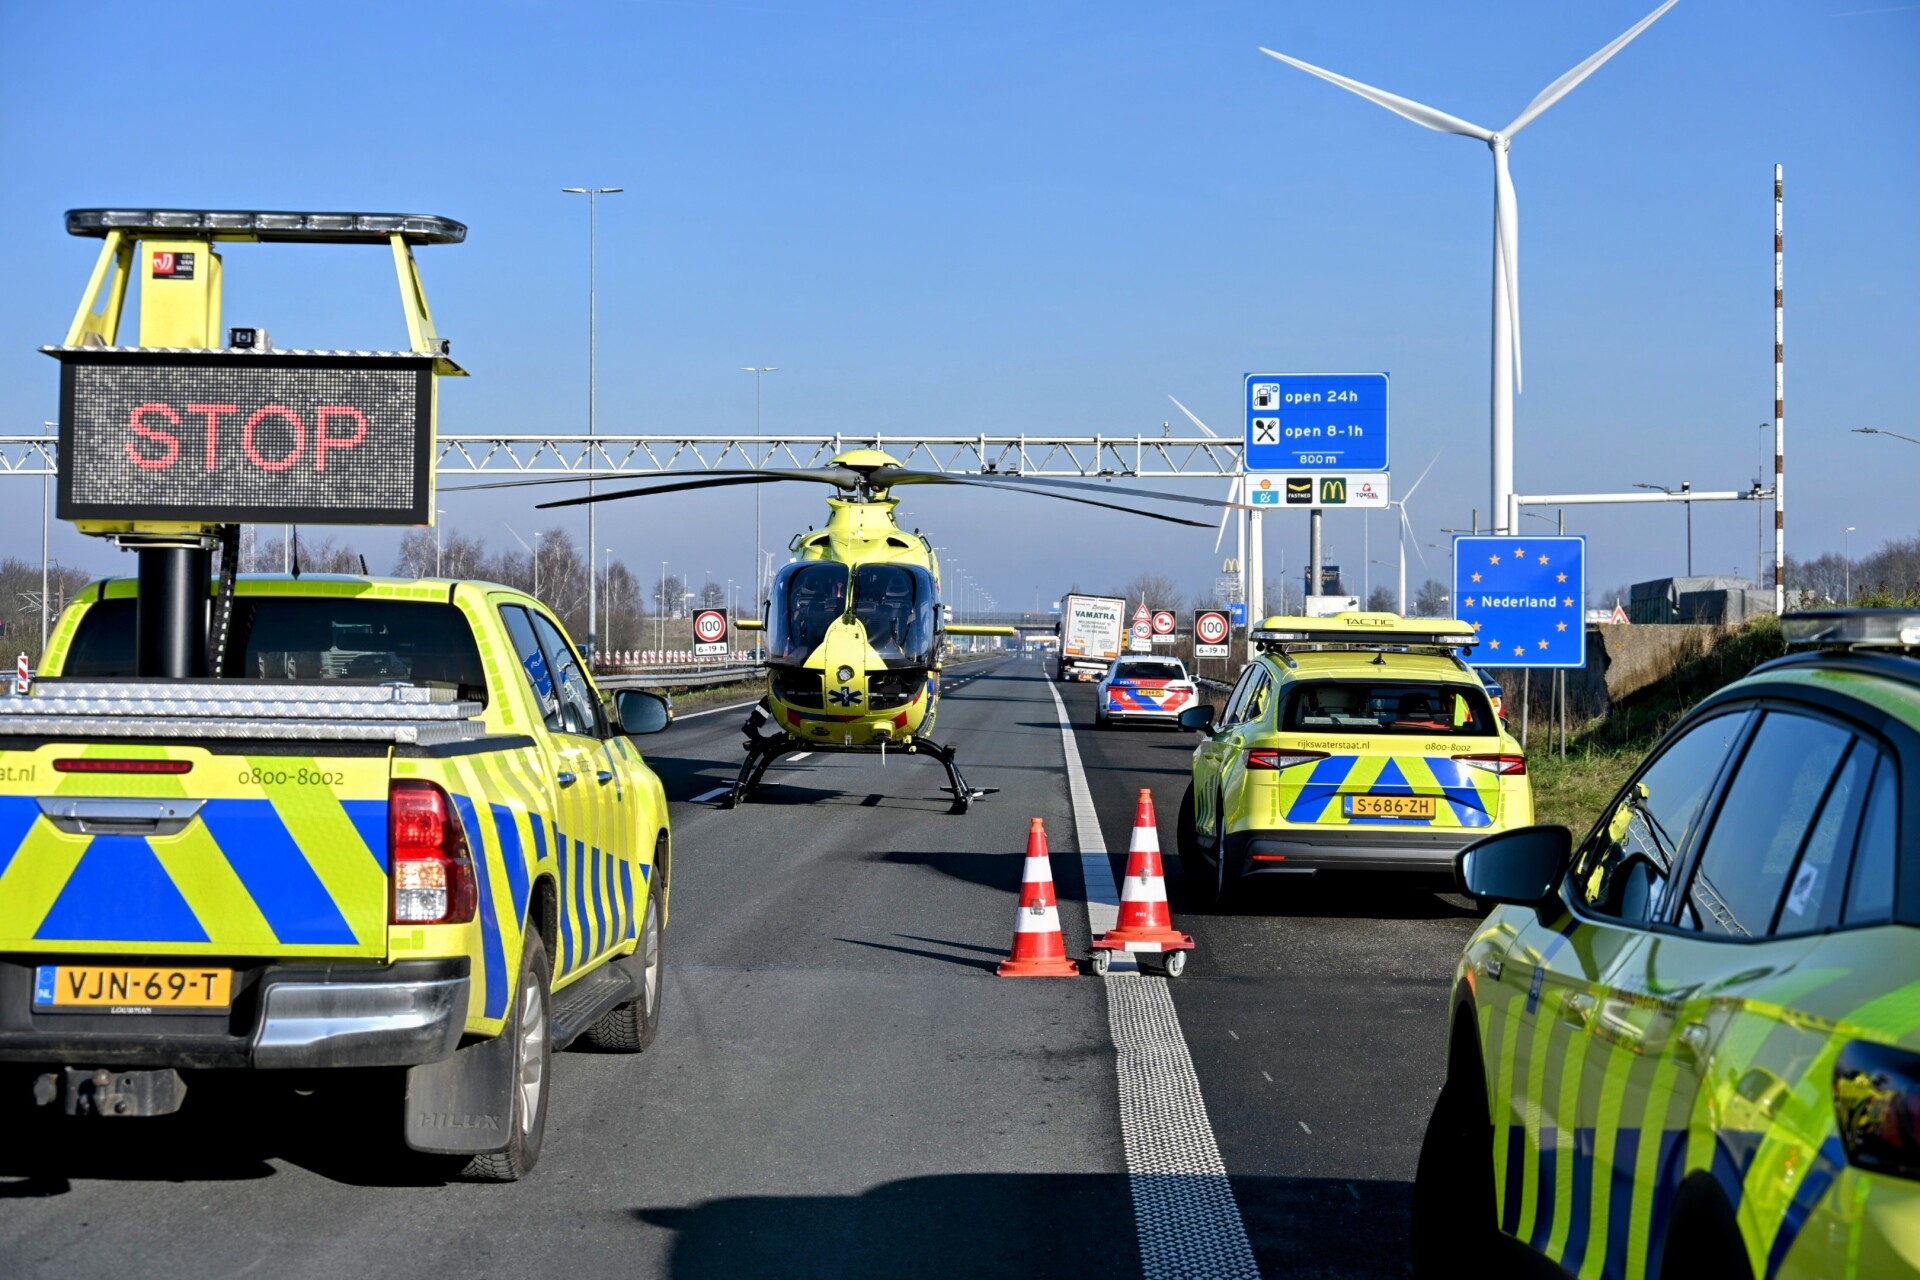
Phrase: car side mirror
x=1521 y=867
x=643 y=712
x=1198 y=717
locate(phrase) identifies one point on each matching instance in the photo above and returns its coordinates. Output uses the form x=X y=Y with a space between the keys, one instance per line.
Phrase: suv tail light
x=1505 y=766
x=1280 y=757
x=428 y=860
x=1876 y=1097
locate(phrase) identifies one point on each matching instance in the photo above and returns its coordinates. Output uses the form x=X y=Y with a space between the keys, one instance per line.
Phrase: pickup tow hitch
x=83 y=1092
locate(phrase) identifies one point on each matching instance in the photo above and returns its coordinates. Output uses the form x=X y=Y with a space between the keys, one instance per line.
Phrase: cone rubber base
x=1143 y=940
x=1049 y=967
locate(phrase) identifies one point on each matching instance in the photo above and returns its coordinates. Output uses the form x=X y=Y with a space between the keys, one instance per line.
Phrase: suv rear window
x=306 y=638
x=1149 y=671
x=1428 y=708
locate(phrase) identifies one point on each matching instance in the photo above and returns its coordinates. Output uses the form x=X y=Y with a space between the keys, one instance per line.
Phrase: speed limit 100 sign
x=710 y=631
x=1210 y=630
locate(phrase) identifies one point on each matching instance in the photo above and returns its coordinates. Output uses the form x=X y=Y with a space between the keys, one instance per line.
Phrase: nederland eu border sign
x=1524 y=596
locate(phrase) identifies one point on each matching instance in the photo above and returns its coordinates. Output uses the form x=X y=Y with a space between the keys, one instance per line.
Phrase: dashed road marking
x=1303 y=1125
x=713 y=711
x=714 y=794
x=1269 y=1078
x=1184 y=1213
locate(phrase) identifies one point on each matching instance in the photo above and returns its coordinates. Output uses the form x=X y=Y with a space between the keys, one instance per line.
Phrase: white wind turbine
x=1506 y=229
x=1233 y=489
x=1405 y=530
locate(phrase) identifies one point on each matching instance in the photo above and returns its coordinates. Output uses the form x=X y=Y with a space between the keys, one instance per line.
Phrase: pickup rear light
x=1280 y=757
x=88 y=765
x=1505 y=766
x=1876 y=1098
x=427 y=856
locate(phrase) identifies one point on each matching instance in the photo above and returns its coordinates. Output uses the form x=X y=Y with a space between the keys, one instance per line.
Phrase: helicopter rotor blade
x=887 y=477
x=841 y=477
x=717 y=482
x=935 y=478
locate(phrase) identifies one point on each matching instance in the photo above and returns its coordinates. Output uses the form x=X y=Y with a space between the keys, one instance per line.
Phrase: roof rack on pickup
x=330 y=711
x=1355 y=630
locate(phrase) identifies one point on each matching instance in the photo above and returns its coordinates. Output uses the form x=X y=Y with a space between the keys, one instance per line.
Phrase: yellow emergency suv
x=1689 y=1045
x=395 y=825
x=1360 y=742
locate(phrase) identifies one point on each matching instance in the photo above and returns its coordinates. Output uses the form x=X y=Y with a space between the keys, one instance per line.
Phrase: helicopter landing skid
x=763 y=751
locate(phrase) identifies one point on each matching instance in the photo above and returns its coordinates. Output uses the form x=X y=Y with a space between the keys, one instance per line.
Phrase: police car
x=1143 y=689
x=1689 y=1045
x=1358 y=742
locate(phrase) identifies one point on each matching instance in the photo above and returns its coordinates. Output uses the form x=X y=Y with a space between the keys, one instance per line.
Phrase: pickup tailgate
x=203 y=821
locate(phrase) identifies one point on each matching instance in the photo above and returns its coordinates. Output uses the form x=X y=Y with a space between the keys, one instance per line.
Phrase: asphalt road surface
x=841 y=1087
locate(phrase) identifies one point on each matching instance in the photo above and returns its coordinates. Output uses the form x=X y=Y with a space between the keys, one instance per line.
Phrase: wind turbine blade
x=1418 y=112
x=1414 y=487
x=1406 y=527
x=1506 y=221
x=1195 y=421
x=1565 y=84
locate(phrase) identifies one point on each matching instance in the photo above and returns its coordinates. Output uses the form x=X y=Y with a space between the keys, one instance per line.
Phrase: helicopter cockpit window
x=895 y=603
x=807 y=599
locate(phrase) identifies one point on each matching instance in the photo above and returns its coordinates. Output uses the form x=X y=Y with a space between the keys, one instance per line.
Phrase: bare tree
x=1381 y=601
x=713 y=596
x=1432 y=600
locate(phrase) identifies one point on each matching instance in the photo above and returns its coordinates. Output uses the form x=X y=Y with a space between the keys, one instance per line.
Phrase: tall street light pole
x=1876 y=431
x=759 y=373
x=1846 y=559
x=593 y=195
x=533 y=551
x=438 y=546
x=1686 y=486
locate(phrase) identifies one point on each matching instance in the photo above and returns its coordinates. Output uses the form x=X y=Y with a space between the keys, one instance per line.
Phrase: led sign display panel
x=283 y=437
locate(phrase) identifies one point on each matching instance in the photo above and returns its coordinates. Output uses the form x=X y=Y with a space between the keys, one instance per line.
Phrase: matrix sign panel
x=1316 y=422
x=1524 y=597
x=224 y=437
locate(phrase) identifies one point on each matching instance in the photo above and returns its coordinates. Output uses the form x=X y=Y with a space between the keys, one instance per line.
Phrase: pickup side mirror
x=643 y=712
x=1199 y=716
x=1520 y=867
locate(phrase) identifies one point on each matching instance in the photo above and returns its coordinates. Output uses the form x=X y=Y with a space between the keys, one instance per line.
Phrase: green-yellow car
x=1689 y=1044
x=1358 y=742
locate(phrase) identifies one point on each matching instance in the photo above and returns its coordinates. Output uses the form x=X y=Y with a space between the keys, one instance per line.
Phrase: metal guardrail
x=681 y=677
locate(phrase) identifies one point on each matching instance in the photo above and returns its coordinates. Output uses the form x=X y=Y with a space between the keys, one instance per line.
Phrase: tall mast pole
x=1779 y=393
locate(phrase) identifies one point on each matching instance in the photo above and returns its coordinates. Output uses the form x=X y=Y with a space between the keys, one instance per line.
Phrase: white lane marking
x=1184 y=1213
x=1303 y=1125
x=1231 y=1032
x=1269 y=1078
x=798 y=756
x=714 y=794
x=713 y=711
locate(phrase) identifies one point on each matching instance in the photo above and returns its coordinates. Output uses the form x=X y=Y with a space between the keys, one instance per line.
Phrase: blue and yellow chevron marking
x=1472 y=795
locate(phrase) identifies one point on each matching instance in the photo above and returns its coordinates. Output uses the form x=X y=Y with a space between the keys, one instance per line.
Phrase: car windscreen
x=808 y=598
x=1149 y=671
x=1428 y=708
x=306 y=638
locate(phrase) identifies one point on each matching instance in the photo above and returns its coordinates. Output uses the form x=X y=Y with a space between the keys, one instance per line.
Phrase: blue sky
x=1043 y=217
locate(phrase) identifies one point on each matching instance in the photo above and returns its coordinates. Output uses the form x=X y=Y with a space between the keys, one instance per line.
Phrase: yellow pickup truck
x=400 y=828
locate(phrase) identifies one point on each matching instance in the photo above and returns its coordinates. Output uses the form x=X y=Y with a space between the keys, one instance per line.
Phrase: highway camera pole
x=1779 y=393
x=593 y=195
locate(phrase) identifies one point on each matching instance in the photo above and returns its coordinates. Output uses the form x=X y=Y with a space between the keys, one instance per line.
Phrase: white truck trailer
x=1092 y=630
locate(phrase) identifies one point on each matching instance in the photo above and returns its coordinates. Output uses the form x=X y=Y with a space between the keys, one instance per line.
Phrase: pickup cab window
x=306 y=638
x=579 y=707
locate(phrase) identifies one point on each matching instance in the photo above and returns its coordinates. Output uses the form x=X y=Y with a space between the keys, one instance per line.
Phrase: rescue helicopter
x=855 y=629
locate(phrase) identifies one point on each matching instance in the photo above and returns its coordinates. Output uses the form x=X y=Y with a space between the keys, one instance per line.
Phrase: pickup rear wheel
x=630 y=1027
x=530 y=1031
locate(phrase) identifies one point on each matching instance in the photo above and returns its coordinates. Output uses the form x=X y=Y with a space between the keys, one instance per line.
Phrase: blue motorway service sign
x=1239 y=612
x=1316 y=422
x=1525 y=597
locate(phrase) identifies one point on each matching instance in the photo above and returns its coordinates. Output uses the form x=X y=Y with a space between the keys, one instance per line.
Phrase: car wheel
x=530 y=1030
x=1453 y=1203
x=630 y=1027
x=1704 y=1239
x=1100 y=720
x=1198 y=865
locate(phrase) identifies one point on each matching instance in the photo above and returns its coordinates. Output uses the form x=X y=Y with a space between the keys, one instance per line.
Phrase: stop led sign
x=1210 y=627
x=229 y=436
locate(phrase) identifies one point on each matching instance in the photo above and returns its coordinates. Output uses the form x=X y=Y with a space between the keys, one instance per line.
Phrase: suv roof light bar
x=1853 y=628
x=1368 y=630
x=268 y=225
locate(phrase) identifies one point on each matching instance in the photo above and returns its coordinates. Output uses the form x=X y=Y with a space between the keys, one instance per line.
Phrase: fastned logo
x=1299 y=490
x=1333 y=492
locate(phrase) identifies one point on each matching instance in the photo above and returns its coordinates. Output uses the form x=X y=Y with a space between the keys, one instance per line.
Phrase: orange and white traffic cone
x=1039 y=949
x=1145 y=924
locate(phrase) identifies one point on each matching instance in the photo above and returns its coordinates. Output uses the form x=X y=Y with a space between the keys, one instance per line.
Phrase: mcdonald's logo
x=1333 y=492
